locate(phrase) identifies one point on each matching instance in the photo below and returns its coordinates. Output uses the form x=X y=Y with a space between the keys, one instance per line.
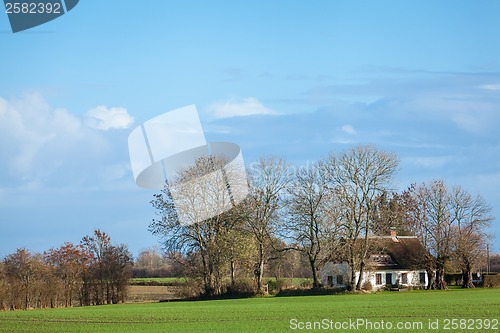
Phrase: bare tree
x=69 y=262
x=3 y=288
x=436 y=227
x=358 y=176
x=28 y=282
x=107 y=271
x=151 y=259
x=20 y=274
x=471 y=215
x=308 y=225
x=268 y=179
x=93 y=273
x=119 y=263
x=201 y=197
x=391 y=214
x=151 y=262
x=452 y=225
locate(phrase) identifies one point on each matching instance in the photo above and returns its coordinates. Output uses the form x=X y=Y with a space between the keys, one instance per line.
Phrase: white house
x=394 y=261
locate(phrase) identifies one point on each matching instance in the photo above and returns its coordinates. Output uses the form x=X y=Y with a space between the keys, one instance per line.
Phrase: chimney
x=394 y=235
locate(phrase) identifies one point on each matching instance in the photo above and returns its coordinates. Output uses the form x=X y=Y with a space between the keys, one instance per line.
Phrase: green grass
x=266 y=314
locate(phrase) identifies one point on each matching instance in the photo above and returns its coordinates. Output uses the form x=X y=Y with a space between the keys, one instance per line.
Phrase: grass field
x=271 y=314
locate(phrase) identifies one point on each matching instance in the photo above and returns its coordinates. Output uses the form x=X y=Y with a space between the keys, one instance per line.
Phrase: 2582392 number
x=470 y=324
x=32 y=8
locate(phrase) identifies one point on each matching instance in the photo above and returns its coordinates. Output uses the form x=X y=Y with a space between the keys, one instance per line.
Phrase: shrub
x=306 y=283
x=491 y=281
x=276 y=286
x=284 y=284
x=367 y=285
x=192 y=288
x=242 y=286
x=272 y=285
x=453 y=279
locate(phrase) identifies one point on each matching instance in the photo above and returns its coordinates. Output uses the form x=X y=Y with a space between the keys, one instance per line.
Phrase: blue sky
x=292 y=78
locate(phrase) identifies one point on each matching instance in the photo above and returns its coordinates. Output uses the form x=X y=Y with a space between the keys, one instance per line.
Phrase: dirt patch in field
x=145 y=294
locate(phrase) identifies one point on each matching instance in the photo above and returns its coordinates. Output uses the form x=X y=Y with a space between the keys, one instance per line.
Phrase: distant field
x=150 y=294
x=178 y=280
x=169 y=281
x=273 y=314
x=143 y=290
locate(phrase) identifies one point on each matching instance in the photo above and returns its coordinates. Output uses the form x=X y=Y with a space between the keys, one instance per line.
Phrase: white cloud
x=28 y=126
x=491 y=87
x=45 y=146
x=104 y=118
x=348 y=129
x=234 y=108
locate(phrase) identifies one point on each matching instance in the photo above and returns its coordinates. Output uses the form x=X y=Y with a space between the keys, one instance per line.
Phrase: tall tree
x=3 y=288
x=451 y=224
x=439 y=226
x=471 y=215
x=69 y=262
x=435 y=228
x=391 y=213
x=20 y=273
x=268 y=178
x=107 y=270
x=94 y=287
x=358 y=176
x=308 y=224
x=118 y=262
x=151 y=259
x=201 y=197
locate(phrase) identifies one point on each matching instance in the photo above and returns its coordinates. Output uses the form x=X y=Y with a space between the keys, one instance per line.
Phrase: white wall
x=333 y=270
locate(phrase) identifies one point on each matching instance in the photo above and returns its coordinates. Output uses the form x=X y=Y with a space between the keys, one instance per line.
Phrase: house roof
x=397 y=253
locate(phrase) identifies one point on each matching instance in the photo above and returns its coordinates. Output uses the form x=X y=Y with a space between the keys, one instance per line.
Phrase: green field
x=271 y=314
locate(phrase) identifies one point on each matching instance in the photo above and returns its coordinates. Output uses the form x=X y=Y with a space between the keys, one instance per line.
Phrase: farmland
x=267 y=314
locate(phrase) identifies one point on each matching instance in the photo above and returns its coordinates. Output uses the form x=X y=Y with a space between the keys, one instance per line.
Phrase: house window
x=422 y=278
x=330 y=280
x=340 y=279
x=404 y=278
x=378 y=279
x=388 y=278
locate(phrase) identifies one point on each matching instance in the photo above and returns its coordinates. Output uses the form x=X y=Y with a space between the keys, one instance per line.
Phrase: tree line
x=326 y=211
x=91 y=273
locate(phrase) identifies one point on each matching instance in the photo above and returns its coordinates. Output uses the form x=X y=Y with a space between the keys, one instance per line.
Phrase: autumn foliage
x=91 y=273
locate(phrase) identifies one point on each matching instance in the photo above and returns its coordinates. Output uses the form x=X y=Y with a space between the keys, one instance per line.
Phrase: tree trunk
x=431 y=280
x=467 y=276
x=260 y=268
x=360 y=278
x=353 y=275
x=431 y=277
x=233 y=274
x=314 y=271
x=440 y=282
x=207 y=276
x=362 y=257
